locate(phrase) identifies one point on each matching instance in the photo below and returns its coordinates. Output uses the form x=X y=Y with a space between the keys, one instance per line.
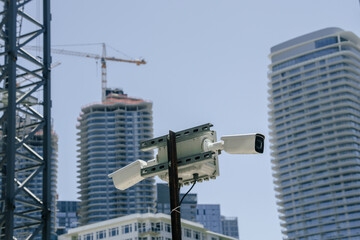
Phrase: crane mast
x=27 y=209
x=103 y=74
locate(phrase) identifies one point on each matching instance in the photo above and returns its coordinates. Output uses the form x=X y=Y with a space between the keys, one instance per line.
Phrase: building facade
x=67 y=215
x=209 y=215
x=230 y=226
x=188 y=205
x=108 y=135
x=146 y=226
x=315 y=133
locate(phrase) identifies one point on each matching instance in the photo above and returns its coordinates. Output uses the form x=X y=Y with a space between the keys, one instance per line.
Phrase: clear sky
x=207 y=62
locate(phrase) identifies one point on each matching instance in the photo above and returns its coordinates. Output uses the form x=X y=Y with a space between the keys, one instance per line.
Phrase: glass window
x=101 y=234
x=325 y=41
x=88 y=236
x=196 y=235
x=126 y=229
x=304 y=58
x=167 y=227
x=113 y=231
x=159 y=226
x=307 y=66
x=187 y=233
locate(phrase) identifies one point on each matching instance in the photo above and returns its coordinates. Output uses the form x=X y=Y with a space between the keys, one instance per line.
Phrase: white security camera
x=237 y=144
x=129 y=175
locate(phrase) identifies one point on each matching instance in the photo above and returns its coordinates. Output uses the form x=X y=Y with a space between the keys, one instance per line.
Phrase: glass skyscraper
x=315 y=134
x=230 y=226
x=209 y=215
x=67 y=215
x=188 y=205
x=109 y=134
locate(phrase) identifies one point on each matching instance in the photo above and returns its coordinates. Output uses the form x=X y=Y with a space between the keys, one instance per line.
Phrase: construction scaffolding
x=24 y=116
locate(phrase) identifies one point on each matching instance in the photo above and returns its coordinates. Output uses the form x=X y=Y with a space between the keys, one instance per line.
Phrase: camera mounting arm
x=237 y=144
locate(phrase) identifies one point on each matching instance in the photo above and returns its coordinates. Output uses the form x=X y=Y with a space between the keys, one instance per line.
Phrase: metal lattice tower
x=24 y=115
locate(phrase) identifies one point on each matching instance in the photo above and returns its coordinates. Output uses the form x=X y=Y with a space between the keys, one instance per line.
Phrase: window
x=142 y=227
x=113 y=232
x=159 y=226
x=126 y=229
x=307 y=66
x=88 y=236
x=196 y=235
x=167 y=227
x=324 y=42
x=305 y=57
x=101 y=234
x=187 y=233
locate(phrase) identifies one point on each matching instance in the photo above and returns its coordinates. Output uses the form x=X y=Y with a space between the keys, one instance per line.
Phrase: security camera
x=197 y=153
x=129 y=175
x=237 y=144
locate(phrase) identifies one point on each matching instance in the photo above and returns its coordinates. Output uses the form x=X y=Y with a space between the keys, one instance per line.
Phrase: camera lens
x=259 y=143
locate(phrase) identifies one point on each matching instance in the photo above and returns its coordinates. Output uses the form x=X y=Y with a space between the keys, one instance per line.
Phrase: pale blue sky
x=207 y=62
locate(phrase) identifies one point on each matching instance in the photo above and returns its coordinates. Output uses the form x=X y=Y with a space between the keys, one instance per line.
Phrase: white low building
x=146 y=226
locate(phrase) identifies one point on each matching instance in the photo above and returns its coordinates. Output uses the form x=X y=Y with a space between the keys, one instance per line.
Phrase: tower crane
x=103 y=58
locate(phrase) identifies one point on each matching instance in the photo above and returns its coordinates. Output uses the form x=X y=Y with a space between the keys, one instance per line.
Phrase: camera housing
x=129 y=175
x=251 y=143
x=244 y=143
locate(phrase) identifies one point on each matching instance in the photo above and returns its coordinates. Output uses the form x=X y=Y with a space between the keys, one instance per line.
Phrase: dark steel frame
x=24 y=114
x=174 y=187
x=173 y=162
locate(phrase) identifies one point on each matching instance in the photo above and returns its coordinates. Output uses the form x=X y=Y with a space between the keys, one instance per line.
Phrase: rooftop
x=114 y=96
x=306 y=37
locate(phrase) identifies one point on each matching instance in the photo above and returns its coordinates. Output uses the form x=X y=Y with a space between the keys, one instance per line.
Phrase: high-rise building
x=67 y=215
x=209 y=215
x=109 y=135
x=188 y=205
x=315 y=134
x=230 y=226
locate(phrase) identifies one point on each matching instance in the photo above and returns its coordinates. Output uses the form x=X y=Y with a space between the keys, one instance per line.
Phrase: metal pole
x=48 y=222
x=10 y=113
x=174 y=187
